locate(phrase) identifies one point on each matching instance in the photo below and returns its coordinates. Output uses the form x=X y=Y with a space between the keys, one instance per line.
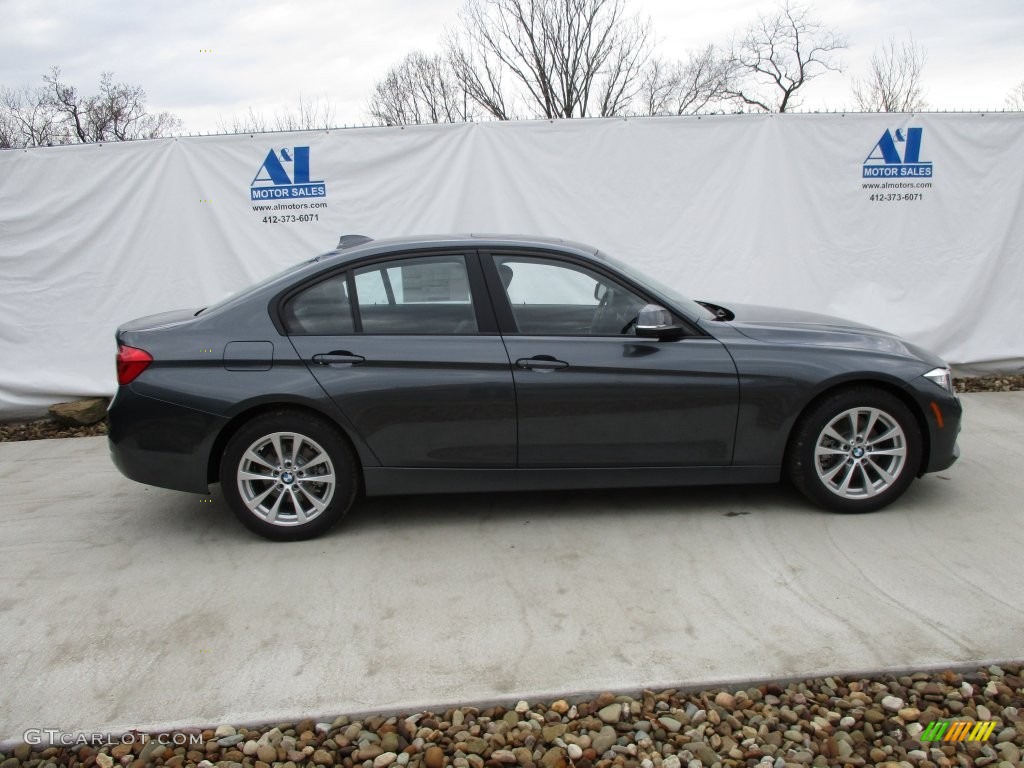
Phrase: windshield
x=687 y=305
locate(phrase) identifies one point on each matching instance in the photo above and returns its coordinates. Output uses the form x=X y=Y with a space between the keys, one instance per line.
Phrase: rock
x=725 y=699
x=224 y=730
x=575 y=752
x=554 y=758
x=1009 y=752
x=505 y=756
x=1006 y=735
x=323 y=757
x=434 y=757
x=104 y=760
x=983 y=713
x=232 y=740
x=873 y=716
x=476 y=745
x=249 y=748
x=670 y=724
x=153 y=750
x=604 y=740
x=671 y=761
x=120 y=750
x=892 y=703
x=80 y=413
x=384 y=759
x=266 y=752
x=705 y=754
x=553 y=731
x=522 y=707
x=610 y=713
x=907 y=714
x=561 y=706
x=369 y=751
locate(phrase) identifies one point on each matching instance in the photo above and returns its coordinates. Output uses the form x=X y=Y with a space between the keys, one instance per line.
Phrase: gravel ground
x=43 y=429
x=830 y=721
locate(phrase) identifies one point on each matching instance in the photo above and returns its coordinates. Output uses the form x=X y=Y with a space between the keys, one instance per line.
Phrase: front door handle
x=541 y=363
x=338 y=357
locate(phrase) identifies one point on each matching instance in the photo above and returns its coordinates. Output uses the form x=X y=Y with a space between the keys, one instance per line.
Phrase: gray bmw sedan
x=498 y=363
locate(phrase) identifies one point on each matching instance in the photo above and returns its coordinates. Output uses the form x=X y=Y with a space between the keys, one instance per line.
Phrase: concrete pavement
x=125 y=606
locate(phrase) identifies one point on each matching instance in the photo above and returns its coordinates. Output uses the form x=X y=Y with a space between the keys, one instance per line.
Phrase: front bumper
x=943 y=414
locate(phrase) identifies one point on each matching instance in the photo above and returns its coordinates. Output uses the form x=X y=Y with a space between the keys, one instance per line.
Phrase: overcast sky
x=264 y=53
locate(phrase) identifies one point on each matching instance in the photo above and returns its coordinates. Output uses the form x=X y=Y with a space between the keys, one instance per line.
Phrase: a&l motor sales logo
x=273 y=181
x=898 y=155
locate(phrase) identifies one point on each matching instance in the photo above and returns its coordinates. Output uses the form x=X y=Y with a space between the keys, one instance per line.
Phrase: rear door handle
x=541 y=363
x=338 y=357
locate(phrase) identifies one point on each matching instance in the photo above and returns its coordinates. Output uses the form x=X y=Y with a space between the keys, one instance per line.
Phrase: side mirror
x=656 y=322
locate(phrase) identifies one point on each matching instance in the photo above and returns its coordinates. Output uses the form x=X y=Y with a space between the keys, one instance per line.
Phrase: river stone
x=323 y=757
x=604 y=740
x=434 y=757
x=892 y=703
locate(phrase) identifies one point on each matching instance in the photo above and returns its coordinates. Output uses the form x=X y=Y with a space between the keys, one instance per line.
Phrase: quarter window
x=322 y=309
x=427 y=295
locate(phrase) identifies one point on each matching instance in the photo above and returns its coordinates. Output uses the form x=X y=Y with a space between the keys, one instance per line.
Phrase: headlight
x=942 y=377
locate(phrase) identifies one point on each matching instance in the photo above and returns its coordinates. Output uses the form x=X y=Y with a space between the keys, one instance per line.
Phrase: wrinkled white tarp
x=770 y=209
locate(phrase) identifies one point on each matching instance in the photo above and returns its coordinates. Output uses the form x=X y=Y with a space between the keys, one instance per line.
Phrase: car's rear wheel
x=855 y=450
x=288 y=475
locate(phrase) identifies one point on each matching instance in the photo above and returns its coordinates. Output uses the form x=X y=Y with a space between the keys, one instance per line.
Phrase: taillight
x=130 y=363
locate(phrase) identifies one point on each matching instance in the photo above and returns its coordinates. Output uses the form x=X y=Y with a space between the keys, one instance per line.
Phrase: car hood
x=774 y=325
x=149 y=322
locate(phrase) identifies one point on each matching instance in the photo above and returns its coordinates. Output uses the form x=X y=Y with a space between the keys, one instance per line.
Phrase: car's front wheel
x=855 y=450
x=288 y=475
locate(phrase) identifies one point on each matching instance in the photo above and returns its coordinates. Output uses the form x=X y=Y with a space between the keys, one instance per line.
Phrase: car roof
x=361 y=248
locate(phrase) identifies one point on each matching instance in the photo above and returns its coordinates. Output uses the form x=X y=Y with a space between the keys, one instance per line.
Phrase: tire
x=289 y=475
x=855 y=450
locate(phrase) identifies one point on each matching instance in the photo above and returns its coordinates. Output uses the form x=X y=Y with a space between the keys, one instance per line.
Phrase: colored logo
x=898 y=155
x=957 y=730
x=284 y=175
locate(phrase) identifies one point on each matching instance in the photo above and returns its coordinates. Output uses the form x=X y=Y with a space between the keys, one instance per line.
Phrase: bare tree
x=564 y=58
x=421 y=88
x=250 y=122
x=27 y=119
x=893 y=80
x=685 y=88
x=57 y=113
x=778 y=55
x=479 y=73
x=307 y=115
x=116 y=113
x=1015 y=98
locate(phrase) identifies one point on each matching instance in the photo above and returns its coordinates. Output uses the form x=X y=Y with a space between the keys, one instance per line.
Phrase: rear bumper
x=160 y=443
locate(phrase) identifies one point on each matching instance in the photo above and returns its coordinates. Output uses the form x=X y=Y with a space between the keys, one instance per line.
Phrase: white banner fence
x=909 y=222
